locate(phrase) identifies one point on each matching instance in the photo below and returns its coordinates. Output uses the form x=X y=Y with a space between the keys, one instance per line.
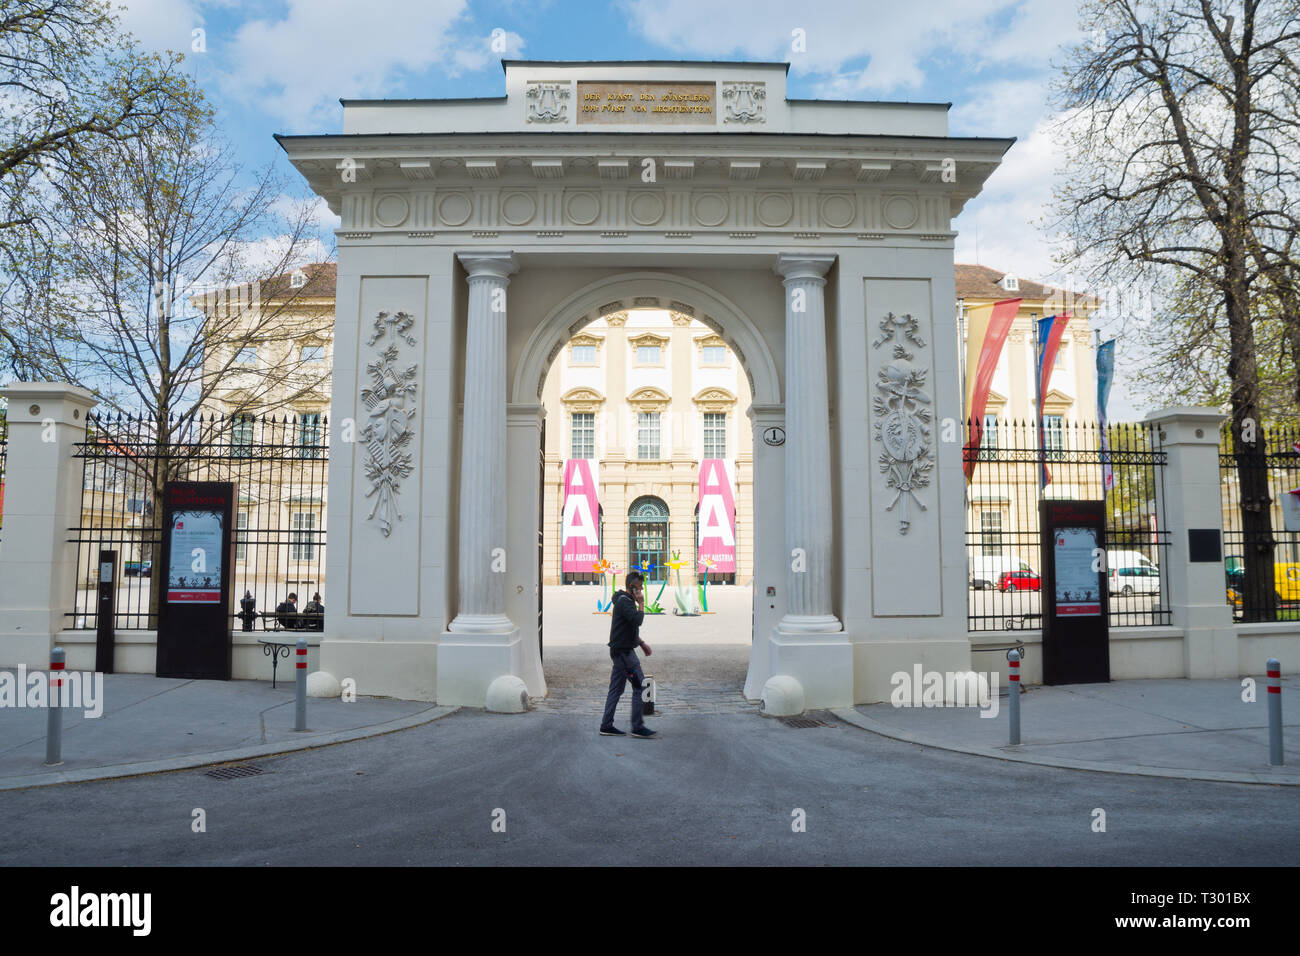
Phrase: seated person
x=286 y=613
x=313 y=615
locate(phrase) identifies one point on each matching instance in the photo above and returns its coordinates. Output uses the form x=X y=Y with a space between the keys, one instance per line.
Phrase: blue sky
x=282 y=66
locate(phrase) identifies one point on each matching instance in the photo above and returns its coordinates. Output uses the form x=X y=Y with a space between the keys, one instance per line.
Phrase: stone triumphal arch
x=478 y=235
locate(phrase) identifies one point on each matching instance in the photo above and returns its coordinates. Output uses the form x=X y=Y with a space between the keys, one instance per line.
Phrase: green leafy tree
x=71 y=80
x=1183 y=136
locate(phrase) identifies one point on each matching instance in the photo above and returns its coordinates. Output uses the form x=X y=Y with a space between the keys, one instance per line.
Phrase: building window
x=582 y=355
x=991 y=532
x=647 y=436
x=1054 y=436
x=715 y=434
x=990 y=439
x=241 y=536
x=309 y=440
x=312 y=354
x=298 y=279
x=246 y=356
x=302 y=536
x=1010 y=283
x=582 y=433
x=241 y=437
x=648 y=354
x=988 y=450
x=713 y=355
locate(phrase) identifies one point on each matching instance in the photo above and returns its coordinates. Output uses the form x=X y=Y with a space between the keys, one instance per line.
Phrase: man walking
x=624 y=638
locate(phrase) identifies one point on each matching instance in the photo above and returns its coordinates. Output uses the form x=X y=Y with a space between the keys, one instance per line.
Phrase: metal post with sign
x=1076 y=608
x=195 y=607
x=104 y=636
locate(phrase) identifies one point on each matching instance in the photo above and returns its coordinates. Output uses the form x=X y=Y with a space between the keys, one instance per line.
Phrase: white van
x=987 y=569
x=1129 y=572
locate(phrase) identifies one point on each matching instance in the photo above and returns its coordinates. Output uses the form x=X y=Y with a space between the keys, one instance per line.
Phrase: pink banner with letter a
x=580 y=526
x=717 y=540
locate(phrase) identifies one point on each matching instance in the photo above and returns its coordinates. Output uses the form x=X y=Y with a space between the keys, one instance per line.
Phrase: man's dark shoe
x=645 y=732
x=612 y=732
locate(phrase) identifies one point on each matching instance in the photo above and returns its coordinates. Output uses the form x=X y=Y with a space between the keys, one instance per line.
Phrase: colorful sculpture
x=676 y=564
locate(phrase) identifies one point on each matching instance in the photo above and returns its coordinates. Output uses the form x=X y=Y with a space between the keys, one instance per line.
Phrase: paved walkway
x=152 y=724
x=1191 y=729
x=689 y=679
x=1165 y=728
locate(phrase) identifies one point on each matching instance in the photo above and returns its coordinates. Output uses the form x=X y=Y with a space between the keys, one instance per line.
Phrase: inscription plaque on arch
x=654 y=104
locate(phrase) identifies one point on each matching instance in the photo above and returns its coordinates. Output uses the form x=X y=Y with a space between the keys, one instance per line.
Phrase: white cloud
x=1009 y=213
x=163 y=24
x=895 y=38
x=296 y=66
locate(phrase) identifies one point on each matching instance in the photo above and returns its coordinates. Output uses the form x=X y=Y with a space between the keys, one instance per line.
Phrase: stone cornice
x=582 y=399
x=715 y=399
x=647 y=337
x=649 y=399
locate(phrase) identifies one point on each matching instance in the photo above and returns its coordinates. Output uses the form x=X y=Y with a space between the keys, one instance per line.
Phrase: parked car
x=1129 y=572
x=1286 y=581
x=986 y=570
x=1024 y=580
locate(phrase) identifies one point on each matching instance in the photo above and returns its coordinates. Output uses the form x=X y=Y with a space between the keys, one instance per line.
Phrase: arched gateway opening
x=652 y=379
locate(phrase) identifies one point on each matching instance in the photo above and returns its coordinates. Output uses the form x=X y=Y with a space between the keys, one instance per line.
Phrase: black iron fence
x=280 y=465
x=1262 y=558
x=1003 y=548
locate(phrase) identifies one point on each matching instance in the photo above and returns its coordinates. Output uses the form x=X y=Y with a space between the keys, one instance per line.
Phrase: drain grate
x=803 y=723
x=235 y=772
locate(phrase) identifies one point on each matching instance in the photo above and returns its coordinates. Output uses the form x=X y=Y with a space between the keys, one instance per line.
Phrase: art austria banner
x=580 y=526
x=717 y=534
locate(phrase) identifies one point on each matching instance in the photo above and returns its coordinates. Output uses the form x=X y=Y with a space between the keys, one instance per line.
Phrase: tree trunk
x=1258 y=600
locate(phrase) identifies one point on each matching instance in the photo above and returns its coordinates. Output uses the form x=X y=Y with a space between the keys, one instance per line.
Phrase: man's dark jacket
x=625 y=627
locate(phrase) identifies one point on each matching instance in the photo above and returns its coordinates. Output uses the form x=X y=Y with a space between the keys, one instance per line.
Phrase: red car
x=1018 y=581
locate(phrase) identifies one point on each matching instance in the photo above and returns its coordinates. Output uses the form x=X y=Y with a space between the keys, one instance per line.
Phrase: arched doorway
x=602 y=318
x=647 y=534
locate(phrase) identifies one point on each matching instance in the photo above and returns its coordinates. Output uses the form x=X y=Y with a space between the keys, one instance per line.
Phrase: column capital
x=803 y=265
x=1183 y=425
x=525 y=414
x=766 y=414
x=36 y=401
x=492 y=265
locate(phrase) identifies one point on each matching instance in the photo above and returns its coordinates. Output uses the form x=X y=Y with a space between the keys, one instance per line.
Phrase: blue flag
x=1105 y=375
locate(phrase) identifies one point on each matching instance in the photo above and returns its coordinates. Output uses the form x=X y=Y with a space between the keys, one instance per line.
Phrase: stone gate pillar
x=808 y=645
x=38 y=565
x=482 y=643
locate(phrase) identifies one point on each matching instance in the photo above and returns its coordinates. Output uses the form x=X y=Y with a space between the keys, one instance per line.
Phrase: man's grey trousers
x=626 y=667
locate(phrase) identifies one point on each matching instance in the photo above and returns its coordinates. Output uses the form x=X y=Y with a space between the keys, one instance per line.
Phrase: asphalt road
x=716 y=789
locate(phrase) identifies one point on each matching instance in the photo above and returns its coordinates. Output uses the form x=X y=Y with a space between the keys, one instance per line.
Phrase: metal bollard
x=1013 y=695
x=54 y=722
x=1274 y=711
x=300 y=705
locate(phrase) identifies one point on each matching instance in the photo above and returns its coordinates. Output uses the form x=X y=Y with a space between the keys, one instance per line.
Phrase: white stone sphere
x=323 y=684
x=507 y=694
x=782 y=697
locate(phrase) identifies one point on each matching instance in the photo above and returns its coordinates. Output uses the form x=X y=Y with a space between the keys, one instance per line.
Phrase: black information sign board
x=194 y=608
x=1076 y=611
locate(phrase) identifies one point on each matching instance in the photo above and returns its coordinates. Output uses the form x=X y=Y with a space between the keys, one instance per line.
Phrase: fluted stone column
x=808 y=446
x=810 y=658
x=480 y=660
x=483 y=447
